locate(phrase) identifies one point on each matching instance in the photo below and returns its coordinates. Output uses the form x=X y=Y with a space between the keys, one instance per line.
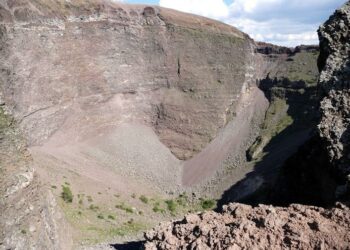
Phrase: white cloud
x=216 y=9
x=283 y=22
x=277 y=31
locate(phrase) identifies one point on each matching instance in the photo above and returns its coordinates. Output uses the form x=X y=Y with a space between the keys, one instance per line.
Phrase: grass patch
x=144 y=199
x=111 y=217
x=157 y=208
x=128 y=228
x=207 y=204
x=125 y=208
x=93 y=207
x=182 y=200
x=102 y=234
x=67 y=194
x=171 y=205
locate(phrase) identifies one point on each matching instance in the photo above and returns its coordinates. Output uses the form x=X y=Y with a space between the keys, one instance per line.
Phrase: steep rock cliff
x=179 y=73
x=334 y=63
x=74 y=72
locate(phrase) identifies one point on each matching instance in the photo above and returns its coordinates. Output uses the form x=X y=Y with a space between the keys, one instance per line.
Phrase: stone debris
x=264 y=227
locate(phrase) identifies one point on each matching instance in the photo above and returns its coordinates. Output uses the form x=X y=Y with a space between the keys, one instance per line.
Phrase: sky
x=282 y=22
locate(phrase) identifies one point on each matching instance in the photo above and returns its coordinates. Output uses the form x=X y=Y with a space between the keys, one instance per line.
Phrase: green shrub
x=93 y=207
x=111 y=217
x=89 y=198
x=208 y=204
x=182 y=200
x=66 y=194
x=23 y=231
x=54 y=187
x=124 y=207
x=157 y=208
x=144 y=199
x=171 y=205
x=133 y=196
x=100 y=216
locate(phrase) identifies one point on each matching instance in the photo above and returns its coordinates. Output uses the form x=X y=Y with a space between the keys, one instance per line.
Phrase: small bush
x=133 y=196
x=144 y=199
x=207 y=204
x=54 y=187
x=89 y=198
x=124 y=207
x=23 y=231
x=81 y=202
x=100 y=216
x=171 y=205
x=80 y=212
x=156 y=208
x=182 y=200
x=111 y=217
x=66 y=194
x=93 y=207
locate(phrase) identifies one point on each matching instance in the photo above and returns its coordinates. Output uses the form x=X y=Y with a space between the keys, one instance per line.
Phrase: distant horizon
x=287 y=23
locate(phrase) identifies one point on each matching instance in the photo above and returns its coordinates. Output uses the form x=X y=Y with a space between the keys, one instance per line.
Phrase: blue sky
x=283 y=22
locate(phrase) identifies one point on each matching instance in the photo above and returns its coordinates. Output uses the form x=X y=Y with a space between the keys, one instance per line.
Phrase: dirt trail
x=228 y=142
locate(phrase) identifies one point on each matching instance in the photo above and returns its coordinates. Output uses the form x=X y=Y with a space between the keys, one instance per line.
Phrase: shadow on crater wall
x=289 y=172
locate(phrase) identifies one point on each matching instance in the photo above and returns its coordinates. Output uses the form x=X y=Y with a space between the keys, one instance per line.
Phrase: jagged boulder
x=334 y=64
x=263 y=227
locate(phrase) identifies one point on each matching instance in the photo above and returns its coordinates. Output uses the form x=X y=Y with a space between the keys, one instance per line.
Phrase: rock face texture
x=178 y=73
x=263 y=227
x=30 y=217
x=334 y=63
x=75 y=72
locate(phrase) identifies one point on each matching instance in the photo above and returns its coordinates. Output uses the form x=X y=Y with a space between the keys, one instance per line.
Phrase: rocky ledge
x=263 y=227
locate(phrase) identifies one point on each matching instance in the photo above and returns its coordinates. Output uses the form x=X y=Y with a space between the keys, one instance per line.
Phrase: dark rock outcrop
x=319 y=173
x=334 y=63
